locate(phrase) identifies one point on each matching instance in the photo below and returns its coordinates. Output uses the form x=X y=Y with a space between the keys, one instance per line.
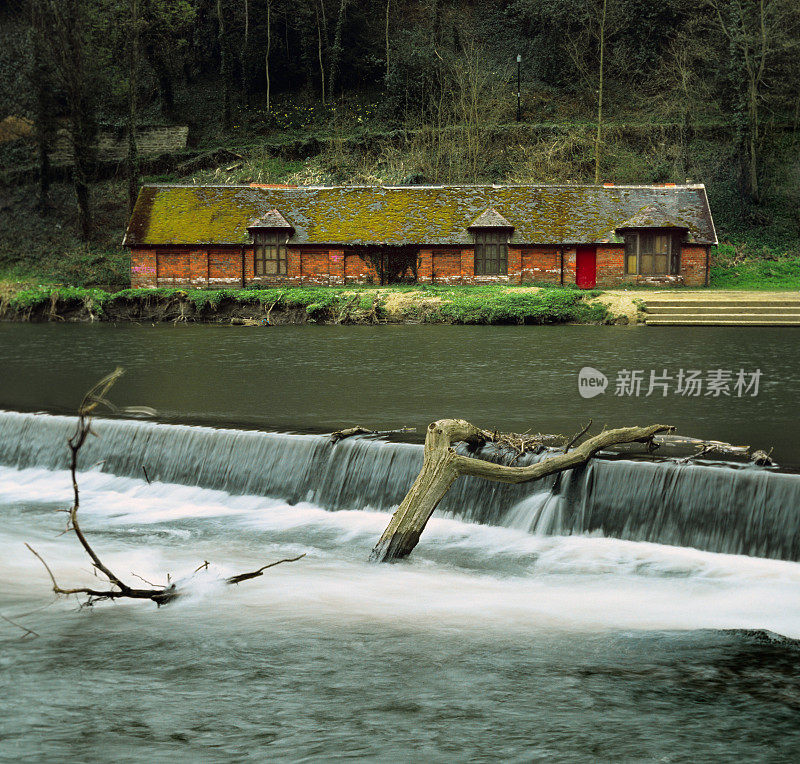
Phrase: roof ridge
x=281 y=187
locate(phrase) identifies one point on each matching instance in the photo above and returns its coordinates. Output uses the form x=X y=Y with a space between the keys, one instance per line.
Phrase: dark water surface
x=319 y=378
x=562 y=622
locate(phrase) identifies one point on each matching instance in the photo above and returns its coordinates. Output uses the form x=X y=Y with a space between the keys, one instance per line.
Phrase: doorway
x=586 y=267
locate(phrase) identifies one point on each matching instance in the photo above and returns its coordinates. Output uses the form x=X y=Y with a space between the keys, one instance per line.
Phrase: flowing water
x=626 y=611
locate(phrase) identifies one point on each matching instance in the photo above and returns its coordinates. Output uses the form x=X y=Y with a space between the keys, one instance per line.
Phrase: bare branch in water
x=28 y=632
x=161 y=595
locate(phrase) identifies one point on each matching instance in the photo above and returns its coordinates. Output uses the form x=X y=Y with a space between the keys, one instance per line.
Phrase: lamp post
x=519 y=89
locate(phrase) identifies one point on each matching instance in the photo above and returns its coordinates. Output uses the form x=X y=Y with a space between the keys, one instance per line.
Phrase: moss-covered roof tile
x=194 y=215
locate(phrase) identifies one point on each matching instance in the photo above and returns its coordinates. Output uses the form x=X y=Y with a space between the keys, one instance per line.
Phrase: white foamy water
x=462 y=576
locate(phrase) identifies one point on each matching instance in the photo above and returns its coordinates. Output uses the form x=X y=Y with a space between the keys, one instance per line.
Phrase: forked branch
x=442 y=465
x=161 y=595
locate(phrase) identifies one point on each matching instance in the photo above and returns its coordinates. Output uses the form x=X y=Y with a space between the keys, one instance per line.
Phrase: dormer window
x=652 y=253
x=270 y=235
x=270 y=253
x=491 y=231
x=652 y=243
x=491 y=252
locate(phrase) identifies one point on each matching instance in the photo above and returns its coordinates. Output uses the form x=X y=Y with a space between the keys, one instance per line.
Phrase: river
x=556 y=621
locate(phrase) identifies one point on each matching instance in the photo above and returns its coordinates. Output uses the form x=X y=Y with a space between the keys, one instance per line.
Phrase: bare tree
x=224 y=66
x=67 y=27
x=266 y=55
x=132 y=163
x=336 y=49
x=388 y=4
x=758 y=32
x=322 y=41
x=42 y=78
x=600 y=93
x=117 y=588
x=598 y=23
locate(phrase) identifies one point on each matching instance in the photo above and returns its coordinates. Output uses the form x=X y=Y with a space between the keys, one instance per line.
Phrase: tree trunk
x=321 y=24
x=752 y=143
x=388 y=2
x=266 y=57
x=336 y=50
x=598 y=137
x=132 y=164
x=223 y=68
x=42 y=82
x=442 y=465
x=244 y=51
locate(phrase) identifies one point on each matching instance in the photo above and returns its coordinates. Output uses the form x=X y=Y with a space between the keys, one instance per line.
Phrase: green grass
x=758 y=275
x=739 y=267
x=494 y=304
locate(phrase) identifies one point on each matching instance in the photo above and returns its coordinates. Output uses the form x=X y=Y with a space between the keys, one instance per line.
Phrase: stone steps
x=687 y=319
x=696 y=310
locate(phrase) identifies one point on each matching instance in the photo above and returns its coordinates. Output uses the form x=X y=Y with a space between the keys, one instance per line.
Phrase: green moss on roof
x=420 y=215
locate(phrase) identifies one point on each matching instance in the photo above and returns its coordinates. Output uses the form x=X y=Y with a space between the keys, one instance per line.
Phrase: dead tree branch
x=351 y=431
x=442 y=465
x=578 y=436
x=27 y=632
x=161 y=595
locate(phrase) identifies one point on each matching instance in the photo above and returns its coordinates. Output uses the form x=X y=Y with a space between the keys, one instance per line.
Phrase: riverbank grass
x=490 y=304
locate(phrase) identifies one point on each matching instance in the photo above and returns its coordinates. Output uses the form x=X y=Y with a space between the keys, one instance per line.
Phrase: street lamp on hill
x=519 y=89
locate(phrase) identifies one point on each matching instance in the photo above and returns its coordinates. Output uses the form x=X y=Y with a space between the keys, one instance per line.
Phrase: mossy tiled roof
x=651 y=217
x=195 y=215
x=272 y=219
x=490 y=218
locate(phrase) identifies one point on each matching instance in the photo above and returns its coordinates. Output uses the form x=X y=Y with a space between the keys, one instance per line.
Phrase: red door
x=586 y=267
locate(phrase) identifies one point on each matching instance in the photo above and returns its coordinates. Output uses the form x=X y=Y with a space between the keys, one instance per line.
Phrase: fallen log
x=442 y=465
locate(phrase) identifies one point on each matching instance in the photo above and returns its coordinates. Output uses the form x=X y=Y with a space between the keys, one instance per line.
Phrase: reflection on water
x=319 y=378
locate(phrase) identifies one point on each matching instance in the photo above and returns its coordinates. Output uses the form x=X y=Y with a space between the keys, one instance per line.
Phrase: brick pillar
x=335 y=266
x=468 y=266
x=570 y=265
x=144 y=268
x=514 y=265
x=198 y=268
x=294 y=265
x=425 y=267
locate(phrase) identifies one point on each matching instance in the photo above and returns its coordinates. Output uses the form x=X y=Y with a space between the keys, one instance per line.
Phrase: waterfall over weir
x=719 y=509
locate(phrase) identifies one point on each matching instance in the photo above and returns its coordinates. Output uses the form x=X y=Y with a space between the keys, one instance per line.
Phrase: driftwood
x=350 y=432
x=117 y=588
x=442 y=465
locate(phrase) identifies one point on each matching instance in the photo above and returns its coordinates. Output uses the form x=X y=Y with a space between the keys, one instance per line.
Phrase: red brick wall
x=225 y=267
x=540 y=264
x=693 y=264
x=569 y=265
x=611 y=268
x=173 y=268
x=358 y=270
x=143 y=268
x=222 y=267
x=610 y=261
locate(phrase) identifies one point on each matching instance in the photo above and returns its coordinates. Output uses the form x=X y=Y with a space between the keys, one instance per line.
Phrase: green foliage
x=753 y=273
x=495 y=304
x=481 y=306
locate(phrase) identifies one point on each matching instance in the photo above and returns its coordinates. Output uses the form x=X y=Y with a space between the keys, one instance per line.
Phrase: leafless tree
x=116 y=587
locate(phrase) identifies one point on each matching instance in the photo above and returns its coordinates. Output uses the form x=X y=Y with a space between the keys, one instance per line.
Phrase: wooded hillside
x=411 y=91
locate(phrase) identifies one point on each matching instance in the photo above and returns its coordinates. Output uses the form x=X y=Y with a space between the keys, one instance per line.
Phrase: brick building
x=254 y=235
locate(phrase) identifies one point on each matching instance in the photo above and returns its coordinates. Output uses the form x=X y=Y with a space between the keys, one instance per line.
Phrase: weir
x=716 y=508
